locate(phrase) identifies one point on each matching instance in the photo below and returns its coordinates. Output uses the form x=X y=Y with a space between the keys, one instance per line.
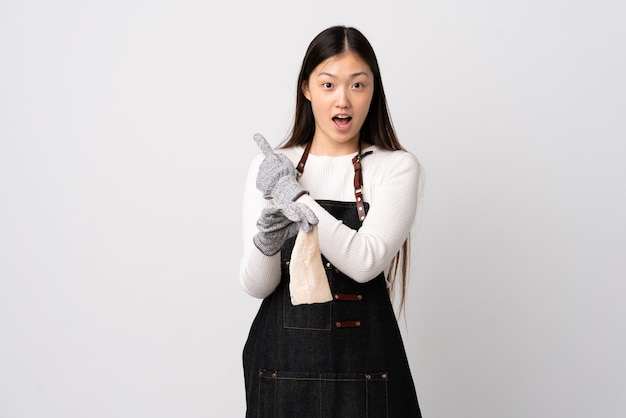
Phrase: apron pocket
x=330 y=395
x=315 y=316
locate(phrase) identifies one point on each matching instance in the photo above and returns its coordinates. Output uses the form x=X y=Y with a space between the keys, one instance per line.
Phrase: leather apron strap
x=358 y=176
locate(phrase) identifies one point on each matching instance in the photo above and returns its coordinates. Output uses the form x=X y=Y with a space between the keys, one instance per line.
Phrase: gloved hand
x=277 y=176
x=279 y=223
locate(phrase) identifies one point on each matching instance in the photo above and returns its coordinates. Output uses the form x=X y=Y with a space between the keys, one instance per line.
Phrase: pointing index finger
x=263 y=144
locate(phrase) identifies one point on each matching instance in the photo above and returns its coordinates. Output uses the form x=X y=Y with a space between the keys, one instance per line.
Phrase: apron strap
x=358 y=176
x=305 y=155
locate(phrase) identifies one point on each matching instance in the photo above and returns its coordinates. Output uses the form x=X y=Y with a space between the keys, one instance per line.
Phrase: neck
x=334 y=149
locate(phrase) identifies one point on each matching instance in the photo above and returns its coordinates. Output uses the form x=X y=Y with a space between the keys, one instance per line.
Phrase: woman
x=358 y=186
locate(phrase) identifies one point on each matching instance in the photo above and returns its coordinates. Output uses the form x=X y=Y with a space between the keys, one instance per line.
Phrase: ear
x=306 y=91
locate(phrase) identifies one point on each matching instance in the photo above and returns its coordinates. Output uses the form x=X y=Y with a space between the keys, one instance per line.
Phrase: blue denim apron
x=343 y=358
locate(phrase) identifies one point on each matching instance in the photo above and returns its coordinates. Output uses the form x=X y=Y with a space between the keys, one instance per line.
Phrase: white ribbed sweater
x=390 y=186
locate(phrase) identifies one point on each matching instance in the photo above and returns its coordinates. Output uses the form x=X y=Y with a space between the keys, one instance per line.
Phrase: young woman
x=356 y=183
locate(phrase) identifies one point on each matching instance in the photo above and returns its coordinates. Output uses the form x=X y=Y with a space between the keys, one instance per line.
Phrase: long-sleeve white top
x=390 y=186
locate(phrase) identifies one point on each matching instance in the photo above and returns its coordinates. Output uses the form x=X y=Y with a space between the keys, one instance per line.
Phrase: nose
x=343 y=100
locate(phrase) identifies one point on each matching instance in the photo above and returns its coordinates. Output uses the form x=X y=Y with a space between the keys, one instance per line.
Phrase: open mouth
x=342 y=120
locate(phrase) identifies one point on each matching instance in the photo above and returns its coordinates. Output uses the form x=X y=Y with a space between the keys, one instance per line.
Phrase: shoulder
x=254 y=164
x=389 y=162
x=293 y=153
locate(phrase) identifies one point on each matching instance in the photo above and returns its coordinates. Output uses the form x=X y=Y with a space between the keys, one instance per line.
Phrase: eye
x=327 y=85
x=358 y=85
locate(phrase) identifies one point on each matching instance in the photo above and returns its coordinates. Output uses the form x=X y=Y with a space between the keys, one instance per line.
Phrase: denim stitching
x=367 y=399
x=320 y=396
x=258 y=404
x=387 y=397
x=365 y=377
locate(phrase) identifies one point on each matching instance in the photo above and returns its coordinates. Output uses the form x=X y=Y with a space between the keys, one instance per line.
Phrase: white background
x=126 y=130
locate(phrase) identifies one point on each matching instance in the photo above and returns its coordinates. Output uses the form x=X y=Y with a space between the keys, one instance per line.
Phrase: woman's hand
x=277 y=176
x=279 y=223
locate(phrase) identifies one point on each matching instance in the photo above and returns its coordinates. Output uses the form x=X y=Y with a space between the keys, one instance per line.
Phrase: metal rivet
x=358 y=199
x=338 y=324
x=327 y=265
x=274 y=374
x=368 y=377
x=337 y=297
x=360 y=208
x=384 y=375
x=358 y=323
x=362 y=217
x=359 y=297
x=286 y=263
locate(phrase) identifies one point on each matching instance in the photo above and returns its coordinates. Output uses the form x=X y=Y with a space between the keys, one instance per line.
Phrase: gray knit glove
x=277 y=176
x=279 y=223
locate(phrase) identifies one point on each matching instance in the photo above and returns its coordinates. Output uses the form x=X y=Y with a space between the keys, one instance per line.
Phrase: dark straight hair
x=377 y=129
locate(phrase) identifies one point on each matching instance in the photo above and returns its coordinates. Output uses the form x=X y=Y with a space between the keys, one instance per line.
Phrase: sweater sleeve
x=365 y=253
x=258 y=274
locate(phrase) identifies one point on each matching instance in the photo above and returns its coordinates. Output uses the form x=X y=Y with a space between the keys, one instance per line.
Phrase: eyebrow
x=351 y=75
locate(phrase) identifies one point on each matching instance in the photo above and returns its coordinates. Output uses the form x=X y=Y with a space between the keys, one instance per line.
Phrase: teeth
x=342 y=117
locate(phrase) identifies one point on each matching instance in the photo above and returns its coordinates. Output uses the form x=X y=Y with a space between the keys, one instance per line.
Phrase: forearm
x=363 y=254
x=258 y=274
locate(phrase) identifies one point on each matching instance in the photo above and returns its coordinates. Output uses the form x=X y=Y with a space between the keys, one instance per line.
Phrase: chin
x=344 y=138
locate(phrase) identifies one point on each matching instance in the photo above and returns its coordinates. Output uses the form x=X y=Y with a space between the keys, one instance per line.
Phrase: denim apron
x=340 y=359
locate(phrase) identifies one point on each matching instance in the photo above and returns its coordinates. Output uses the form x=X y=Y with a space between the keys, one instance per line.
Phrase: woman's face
x=340 y=90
